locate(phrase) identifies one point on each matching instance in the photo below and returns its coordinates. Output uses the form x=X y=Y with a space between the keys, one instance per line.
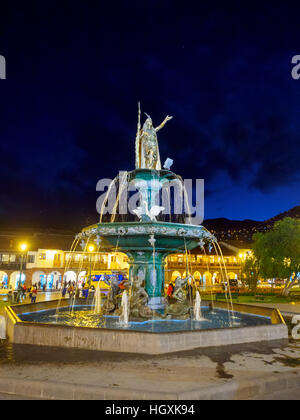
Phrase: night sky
x=75 y=72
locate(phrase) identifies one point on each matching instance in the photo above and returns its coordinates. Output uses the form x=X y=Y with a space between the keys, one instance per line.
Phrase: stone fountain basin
x=134 y=236
x=129 y=341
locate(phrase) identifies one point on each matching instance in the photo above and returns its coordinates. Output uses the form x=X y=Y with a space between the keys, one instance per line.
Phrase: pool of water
x=83 y=316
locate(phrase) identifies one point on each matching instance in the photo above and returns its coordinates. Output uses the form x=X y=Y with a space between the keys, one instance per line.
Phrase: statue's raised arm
x=168 y=118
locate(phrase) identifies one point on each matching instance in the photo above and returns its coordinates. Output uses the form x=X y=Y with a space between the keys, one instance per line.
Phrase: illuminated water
x=84 y=316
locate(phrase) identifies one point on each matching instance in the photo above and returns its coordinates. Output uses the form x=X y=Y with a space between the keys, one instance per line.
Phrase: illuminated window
x=31 y=259
x=42 y=256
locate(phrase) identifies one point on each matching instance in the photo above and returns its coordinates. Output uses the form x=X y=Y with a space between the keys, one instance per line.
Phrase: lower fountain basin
x=147 y=337
x=84 y=316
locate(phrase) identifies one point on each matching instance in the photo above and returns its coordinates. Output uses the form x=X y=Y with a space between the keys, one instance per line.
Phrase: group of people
x=19 y=295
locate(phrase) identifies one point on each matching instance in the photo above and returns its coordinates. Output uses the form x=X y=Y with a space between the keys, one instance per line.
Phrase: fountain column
x=151 y=268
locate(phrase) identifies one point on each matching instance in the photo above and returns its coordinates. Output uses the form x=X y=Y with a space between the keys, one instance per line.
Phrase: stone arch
x=39 y=277
x=81 y=278
x=216 y=278
x=207 y=278
x=70 y=276
x=197 y=275
x=15 y=278
x=54 y=279
x=3 y=279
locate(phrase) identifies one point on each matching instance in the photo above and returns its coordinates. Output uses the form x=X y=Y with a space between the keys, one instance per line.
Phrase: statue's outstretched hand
x=168 y=118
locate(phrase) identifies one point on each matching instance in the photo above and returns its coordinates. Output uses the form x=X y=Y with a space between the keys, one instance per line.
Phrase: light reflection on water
x=83 y=316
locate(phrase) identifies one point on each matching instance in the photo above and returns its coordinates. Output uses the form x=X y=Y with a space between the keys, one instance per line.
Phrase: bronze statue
x=181 y=307
x=146 y=150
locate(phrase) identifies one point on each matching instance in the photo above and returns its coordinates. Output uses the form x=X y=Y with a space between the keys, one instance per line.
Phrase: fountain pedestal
x=149 y=266
x=147 y=258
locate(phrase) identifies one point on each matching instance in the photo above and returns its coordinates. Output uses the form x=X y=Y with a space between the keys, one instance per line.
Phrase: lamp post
x=23 y=249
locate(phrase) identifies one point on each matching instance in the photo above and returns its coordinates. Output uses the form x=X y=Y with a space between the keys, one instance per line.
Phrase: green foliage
x=278 y=251
x=250 y=272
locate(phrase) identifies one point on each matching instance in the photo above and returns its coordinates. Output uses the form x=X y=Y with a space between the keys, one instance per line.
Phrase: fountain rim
x=19 y=321
x=167 y=229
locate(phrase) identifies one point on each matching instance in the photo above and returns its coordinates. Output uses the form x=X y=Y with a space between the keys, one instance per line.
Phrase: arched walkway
x=70 y=276
x=232 y=276
x=15 y=278
x=216 y=278
x=81 y=278
x=207 y=278
x=197 y=275
x=54 y=280
x=3 y=280
x=39 y=279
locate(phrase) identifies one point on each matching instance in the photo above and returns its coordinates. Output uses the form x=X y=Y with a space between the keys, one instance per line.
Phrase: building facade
x=50 y=267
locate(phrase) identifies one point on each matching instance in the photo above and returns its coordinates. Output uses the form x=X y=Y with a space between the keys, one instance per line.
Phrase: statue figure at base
x=181 y=307
x=139 y=299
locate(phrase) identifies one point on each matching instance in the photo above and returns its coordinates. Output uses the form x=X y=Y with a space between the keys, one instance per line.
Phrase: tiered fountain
x=140 y=320
x=150 y=232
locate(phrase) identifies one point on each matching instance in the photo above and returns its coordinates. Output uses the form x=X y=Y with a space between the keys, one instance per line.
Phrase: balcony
x=15 y=266
x=202 y=264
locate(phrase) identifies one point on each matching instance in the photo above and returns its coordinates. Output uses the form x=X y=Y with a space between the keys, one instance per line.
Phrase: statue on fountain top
x=146 y=145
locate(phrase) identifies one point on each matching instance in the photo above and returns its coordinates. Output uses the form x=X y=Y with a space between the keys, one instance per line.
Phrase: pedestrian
x=170 y=291
x=24 y=290
x=71 y=291
x=64 y=291
x=34 y=294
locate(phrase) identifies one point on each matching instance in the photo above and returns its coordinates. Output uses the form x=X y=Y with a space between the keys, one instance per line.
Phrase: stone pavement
x=252 y=371
x=285 y=308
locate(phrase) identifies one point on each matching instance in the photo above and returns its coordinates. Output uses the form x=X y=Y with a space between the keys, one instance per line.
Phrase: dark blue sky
x=75 y=72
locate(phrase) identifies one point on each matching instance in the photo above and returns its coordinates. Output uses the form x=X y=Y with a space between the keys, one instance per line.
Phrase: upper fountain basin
x=169 y=237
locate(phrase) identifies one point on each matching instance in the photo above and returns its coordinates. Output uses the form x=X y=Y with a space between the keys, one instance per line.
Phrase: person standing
x=24 y=290
x=34 y=294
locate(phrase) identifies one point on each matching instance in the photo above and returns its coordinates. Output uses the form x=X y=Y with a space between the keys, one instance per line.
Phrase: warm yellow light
x=23 y=247
x=91 y=248
x=241 y=255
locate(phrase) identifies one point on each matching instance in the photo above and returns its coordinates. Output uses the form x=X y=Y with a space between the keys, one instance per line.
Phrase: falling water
x=124 y=317
x=98 y=302
x=107 y=197
x=197 y=308
x=2 y=328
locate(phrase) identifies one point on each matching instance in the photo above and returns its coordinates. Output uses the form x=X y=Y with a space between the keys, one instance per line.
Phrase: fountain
x=147 y=235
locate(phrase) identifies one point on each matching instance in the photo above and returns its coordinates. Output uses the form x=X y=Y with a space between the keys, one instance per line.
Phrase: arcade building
x=44 y=259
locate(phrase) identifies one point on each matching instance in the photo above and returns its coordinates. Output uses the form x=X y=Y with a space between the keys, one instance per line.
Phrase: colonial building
x=48 y=262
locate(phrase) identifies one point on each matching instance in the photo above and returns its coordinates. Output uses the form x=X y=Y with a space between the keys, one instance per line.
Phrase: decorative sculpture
x=181 y=307
x=146 y=147
x=146 y=215
x=139 y=299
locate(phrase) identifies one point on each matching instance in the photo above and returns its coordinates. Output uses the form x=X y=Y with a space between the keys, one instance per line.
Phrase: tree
x=278 y=252
x=250 y=272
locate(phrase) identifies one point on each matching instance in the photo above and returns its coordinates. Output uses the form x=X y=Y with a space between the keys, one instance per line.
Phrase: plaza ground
x=253 y=371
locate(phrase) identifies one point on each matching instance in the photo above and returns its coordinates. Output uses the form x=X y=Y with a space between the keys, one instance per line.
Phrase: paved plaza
x=253 y=371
